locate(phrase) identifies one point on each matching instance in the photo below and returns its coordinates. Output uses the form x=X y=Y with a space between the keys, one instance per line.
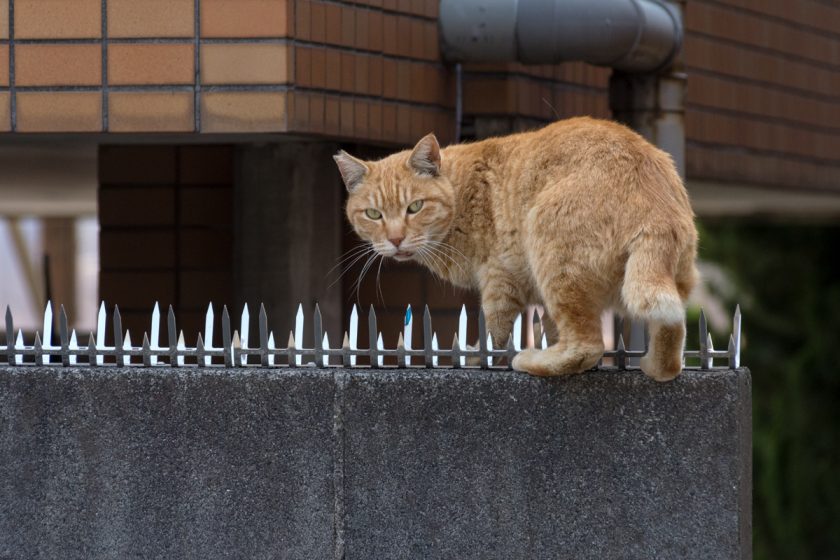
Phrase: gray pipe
x=628 y=35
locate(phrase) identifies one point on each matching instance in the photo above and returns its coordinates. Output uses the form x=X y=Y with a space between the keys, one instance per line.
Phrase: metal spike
x=74 y=345
x=100 y=332
x=147 y=351
x=489 y=361
x=48 y=326
x=620 y=355
x=401 y=357
x=292 y=350
x=345 y=351
x=299 y=323
x=710 y=348
x=154 y=328
x=482 y=335
x=408 y=333
x=732 y=351
x=209 y=319
x=458 y=361
x=236 y=346
x=46 y=340
x=271 y=348
x=199 y=350
x=427 y=338
x=263 y=329
x=380 y=360
x=435 y=349
x=10 y=336
x=172 y=336
x=93 y=360
x=226 y=340
x=180 y=347
x=544 y=341
x=118 y=335
x=704 y=337
x=38 y=347
x=354 y=334
x=372 y=332
x=63 y=336
x=318 y=330
x=517 y=332
x=511 y=352
x=244 y=331
x=126 y=360
x=326 y=346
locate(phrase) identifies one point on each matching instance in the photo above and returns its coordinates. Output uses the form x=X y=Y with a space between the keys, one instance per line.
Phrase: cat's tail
x=658 y=277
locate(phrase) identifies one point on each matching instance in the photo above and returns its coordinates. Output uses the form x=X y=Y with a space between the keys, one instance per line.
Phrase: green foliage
x=790 y=274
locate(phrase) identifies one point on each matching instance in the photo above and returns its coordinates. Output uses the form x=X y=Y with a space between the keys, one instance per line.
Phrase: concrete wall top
x=213 y=463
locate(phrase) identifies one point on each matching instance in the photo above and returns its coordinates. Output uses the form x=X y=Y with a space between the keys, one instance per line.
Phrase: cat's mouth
x=402 y=255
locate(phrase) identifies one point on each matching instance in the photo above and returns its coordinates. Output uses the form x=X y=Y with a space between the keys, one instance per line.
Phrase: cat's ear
x=425 y=158
x=352 y=170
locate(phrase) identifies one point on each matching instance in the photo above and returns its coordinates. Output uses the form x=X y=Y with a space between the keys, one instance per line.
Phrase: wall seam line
x=341 y=380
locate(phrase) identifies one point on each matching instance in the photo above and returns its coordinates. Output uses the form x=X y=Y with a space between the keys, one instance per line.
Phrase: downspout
x=627 y=35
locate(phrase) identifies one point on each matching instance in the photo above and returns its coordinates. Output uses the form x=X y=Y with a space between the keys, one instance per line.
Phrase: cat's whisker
x=349 y=267
x=367 y=266
x=355 y=251
x=443 y=254
x=378 y=286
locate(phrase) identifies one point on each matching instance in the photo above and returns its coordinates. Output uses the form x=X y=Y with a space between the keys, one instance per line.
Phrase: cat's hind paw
x=552 y=362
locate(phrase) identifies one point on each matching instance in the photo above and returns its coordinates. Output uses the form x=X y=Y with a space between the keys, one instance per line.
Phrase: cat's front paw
x=552 y=362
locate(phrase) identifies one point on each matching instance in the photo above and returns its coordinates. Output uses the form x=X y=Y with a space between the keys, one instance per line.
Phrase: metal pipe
x=628 y=35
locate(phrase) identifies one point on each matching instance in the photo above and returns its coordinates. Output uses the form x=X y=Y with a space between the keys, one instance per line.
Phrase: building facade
x=212 y=122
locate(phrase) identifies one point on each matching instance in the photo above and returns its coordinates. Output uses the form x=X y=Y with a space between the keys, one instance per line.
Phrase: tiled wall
x=144 y=65
x=361 y=70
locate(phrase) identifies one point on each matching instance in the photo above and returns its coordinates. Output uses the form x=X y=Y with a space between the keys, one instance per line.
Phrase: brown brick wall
x=370 y=71
x=166 y=231
x=763 y=100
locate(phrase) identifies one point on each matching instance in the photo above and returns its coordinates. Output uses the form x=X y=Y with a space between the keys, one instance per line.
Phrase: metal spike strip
x=235 y=348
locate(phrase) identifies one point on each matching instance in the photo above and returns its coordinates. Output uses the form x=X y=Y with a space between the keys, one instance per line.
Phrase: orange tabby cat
x=580 y=216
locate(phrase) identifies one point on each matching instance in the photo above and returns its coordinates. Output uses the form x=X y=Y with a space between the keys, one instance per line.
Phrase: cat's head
x=403 y=204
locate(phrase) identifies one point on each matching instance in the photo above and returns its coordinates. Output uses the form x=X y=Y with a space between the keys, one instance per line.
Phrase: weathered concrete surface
x=167 y=464
x=316 y=464
x=500 y=465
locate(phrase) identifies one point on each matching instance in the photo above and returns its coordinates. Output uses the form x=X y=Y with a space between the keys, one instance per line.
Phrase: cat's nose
x=396 y=241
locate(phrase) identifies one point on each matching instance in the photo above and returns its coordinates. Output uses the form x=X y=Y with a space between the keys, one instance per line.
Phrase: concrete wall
x=112 y=463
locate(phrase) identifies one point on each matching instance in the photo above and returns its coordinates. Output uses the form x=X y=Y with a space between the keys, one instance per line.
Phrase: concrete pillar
x=288 y=234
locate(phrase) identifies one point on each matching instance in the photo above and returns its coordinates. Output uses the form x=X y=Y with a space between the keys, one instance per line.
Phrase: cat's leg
x=663 y=361
x=652 y=292
x=502 y=299
x=576 y=321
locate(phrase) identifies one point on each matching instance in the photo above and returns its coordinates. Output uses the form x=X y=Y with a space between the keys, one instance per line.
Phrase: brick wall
x=166 y=231
x=370 y=70
x=763 y=103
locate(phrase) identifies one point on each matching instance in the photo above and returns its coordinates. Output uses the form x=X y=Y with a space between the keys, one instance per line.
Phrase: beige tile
x=56 y=65
x=5 y=112
x=150 y=64
x=4 y=65
x=150 y=112
x=4 y=19
x=151 y=18
x=244 y=18
x=244 y=64
x=59 y=112
x=243 y=112
x=58 y=19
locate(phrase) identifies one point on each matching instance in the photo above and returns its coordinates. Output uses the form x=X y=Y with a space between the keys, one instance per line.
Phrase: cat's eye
x=373 y=213
x=415 y=206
